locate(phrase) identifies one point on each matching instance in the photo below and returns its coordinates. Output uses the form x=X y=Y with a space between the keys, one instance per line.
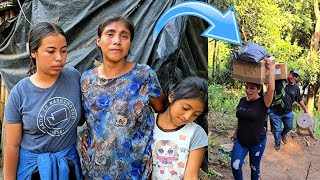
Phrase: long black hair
x=37 y=33
x=189 y=88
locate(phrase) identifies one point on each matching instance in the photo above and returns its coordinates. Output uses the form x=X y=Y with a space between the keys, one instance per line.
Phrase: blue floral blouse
x=120 y=122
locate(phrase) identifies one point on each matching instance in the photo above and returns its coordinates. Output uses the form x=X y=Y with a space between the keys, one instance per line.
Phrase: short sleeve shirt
x=171 y=149
x=285 y=96
x=120 y=122
x=251 y=118
x=49 y=116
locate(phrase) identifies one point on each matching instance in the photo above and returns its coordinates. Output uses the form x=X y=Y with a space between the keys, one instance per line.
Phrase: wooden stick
x=12 y=13
x=6 y=15
x=2 y=95
x=308 y=171
x=6 y=95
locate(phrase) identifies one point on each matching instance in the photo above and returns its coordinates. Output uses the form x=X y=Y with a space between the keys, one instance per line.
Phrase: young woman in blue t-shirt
x=43 y=111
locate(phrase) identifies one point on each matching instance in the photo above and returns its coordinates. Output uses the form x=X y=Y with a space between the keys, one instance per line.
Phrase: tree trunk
x=214 y=57
x=217 y=58
x=314 y=47
x=310 y=102
x=318 y=103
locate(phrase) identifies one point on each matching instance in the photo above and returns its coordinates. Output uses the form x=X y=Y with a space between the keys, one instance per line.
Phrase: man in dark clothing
x=286 y=93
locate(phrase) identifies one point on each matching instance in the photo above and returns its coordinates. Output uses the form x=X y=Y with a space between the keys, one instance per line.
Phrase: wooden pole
x=12 y=13
x=6 y=15
x=4 y=96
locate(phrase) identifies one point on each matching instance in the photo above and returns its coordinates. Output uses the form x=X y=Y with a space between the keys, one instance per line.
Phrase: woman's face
x=252 y=91
x=51 y=54
x=114 y=41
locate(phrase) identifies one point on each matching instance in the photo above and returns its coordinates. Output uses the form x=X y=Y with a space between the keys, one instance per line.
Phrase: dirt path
x=292 y=162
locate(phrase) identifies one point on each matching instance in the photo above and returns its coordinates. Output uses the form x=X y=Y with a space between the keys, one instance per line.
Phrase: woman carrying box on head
x=250 y=133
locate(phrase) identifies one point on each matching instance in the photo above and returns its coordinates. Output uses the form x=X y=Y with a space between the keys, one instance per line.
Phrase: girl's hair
x=189 y=88
x=37 y=33
x=127 y=22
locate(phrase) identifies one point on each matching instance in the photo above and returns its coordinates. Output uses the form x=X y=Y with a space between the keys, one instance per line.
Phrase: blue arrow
x=222 y=26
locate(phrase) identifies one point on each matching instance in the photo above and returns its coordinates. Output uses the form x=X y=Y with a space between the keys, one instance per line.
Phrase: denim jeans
x=277 y=121
x=239 y=152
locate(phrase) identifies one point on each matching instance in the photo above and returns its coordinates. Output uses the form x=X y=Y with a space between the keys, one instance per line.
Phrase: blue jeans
x=239 y=152
x=277 y=121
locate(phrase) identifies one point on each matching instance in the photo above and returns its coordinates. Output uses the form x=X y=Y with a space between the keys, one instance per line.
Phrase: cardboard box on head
x=256 y=72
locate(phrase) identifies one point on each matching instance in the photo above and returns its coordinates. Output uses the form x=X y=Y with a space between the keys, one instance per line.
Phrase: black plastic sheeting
x=178 y=51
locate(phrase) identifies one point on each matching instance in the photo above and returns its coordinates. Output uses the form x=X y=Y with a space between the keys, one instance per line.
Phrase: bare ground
x=299 y=159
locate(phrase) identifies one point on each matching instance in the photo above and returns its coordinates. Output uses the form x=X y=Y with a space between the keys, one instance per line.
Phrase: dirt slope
x=292 y=162
x=299 y=159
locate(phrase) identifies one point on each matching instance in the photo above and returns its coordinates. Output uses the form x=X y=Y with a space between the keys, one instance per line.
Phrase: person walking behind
x=286 y=93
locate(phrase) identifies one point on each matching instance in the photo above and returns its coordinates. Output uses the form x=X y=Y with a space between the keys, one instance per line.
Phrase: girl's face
x=184 y=111
x=51 y=54
x=252 y=91
x=114 y=41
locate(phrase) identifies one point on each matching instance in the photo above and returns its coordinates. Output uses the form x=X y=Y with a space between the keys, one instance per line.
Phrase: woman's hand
x=269 y=63
x=268 y=97
x=233 y=137
x=84 y=144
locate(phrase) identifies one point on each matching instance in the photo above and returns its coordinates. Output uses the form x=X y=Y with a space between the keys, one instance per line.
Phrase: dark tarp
x=179 y=50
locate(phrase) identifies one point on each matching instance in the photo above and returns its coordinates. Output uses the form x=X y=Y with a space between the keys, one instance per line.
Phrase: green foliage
x=223 y=65
x=222 y=99
x=222 y=5
x=283 y=27
x=214 y=143
x=222 y=103
x=212 y=174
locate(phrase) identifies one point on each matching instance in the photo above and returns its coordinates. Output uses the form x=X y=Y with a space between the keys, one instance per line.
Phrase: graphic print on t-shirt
x=166 y=152
x=56 y=116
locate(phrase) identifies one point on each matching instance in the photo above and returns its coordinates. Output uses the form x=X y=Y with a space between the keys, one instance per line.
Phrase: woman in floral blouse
x=117 y=99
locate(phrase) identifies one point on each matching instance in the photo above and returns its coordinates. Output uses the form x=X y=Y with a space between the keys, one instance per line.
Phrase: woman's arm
x=268 y=97
x=11 y=150
x=157 y=103
x=194 y=163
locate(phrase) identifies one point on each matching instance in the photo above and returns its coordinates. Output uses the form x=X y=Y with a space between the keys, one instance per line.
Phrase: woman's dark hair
x=189 y=88
x=127 y=22
x=37 y=33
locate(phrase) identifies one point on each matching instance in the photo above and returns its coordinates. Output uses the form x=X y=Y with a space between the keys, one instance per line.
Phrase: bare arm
x=303 y=106
x=194 y=163
x=11 y=150
x=268 y=97
x=157 y=104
